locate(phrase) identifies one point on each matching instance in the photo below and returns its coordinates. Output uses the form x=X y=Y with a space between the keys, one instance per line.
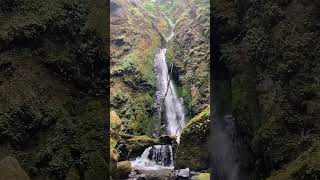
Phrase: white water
x=155 y=158
x=174 y=109
x=161 y=156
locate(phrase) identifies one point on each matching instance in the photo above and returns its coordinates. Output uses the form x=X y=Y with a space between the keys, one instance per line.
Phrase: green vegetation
x=193 y=152
x=306 y=166
x=53 y=111
x=150 y=5
x=203 y=176
x=272 y=55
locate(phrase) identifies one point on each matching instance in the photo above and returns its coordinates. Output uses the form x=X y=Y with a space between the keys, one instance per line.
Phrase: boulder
x=193 y=151
x=184 y=173
x=123 y=169
x=10 y=169
x=137 y=144
x=202 y=176
x=115 y=121
x=114 y=156
x=167 y=140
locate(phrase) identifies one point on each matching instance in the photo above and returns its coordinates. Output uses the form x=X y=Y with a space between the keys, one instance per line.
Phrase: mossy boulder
x=10 y=169
x=114 y=156
x=305 y=167
x=166 y=140
x=115 y=121
x=138 y=144
x=202 y=176
x=123 y=169
x=192 y=151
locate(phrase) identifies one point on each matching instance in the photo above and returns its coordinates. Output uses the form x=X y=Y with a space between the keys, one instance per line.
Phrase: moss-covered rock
x=10 y=169
x=138 y=144
x=113 y=157
x=123 y=169
x=203 y=176
x=166 y=139
x=115 y=121
x=192 y=152
x=305 y=167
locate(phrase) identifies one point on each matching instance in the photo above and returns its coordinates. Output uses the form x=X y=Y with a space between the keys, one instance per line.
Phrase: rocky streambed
x=166 y=174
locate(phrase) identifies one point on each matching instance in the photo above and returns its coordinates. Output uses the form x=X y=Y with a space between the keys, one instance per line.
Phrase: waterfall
x=154 y=158
x=173 y=105
x=224 y=139
x=225 y=150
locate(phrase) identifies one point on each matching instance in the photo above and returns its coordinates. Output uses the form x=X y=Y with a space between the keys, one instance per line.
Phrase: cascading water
x=173 y=105
x=161 y=156
x=154 y=158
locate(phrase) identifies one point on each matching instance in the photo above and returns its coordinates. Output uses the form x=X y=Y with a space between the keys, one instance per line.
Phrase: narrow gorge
x=158 y=103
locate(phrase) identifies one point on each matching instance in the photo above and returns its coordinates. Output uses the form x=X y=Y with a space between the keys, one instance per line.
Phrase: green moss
x=141 y=113
x=192 y=151
x=203 y=176
x=136 y=12
x=150 y=5
x=97 y=168
x=147 y=68
x=128 y=63
x=305 y=167
x=96 y=19
x=138 y=144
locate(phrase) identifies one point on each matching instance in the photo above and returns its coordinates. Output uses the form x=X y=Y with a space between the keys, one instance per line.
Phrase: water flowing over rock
x=225 y=149
x=173 y=105
x=155 y=157
x=185 y=173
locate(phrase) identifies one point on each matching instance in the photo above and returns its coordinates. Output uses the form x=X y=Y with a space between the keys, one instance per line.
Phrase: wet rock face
x=138 y=144
x=132 y=52
x=189 y=52
x=162 y=156
x=113 y=6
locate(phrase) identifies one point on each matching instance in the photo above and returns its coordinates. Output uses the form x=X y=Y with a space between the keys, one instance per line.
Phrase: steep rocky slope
x=137 y=30
x=53 y=79
x=271 y=50
x=189 y=54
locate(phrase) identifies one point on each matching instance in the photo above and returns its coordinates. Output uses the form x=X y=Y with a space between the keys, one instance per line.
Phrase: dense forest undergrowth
x=53 y=83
